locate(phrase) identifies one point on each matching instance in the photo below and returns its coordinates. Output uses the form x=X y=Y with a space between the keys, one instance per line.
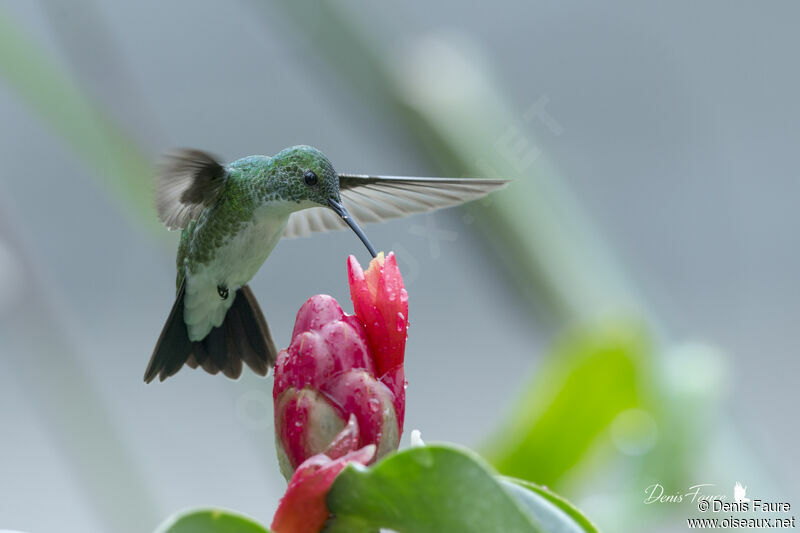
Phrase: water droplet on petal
x=374 y=405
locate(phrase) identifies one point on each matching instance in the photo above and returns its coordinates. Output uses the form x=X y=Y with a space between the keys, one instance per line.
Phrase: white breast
x=234 y=264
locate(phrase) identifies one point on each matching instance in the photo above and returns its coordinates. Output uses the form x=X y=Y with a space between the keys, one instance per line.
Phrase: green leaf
x=210 y=521
x=442 y=488
x=549 y=507
x=588 y=379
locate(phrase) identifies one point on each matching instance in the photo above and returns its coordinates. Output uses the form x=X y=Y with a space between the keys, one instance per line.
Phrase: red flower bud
x=340 y=365
x=303 y=509
x=380 y=300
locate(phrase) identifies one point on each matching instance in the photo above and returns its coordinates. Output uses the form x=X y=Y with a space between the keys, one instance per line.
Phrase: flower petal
x=358 y=393
x=381 y=302
x=316 y=312
x=303 y=508
x=305 y=424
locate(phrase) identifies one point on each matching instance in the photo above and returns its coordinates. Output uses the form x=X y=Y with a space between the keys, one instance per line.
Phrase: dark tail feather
x=256 y=346
x=173 y=346
x=243 y=336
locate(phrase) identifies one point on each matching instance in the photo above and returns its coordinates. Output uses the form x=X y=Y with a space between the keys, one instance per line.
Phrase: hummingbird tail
x=243 y=337
x=173 y=346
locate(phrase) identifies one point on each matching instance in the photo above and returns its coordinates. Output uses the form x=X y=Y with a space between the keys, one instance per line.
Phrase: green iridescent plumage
x=251 y=183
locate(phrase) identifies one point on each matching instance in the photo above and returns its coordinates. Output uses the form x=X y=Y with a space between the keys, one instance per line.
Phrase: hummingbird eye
x=310 y=178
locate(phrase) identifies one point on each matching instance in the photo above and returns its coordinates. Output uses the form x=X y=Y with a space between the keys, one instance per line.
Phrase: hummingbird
x=232 y=216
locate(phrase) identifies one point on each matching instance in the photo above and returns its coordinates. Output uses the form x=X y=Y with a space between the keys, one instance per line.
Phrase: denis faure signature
x=655 y=493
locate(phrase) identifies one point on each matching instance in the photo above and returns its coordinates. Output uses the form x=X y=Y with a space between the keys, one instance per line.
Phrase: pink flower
x=339 y=365
x=303 y=509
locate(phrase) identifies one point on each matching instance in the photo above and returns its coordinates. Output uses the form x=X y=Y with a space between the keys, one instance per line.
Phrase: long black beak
x=342 y=212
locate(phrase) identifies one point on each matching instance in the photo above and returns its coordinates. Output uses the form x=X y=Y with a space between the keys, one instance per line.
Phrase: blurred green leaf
x=210 y=521
x=51 y=93
x=590 y=377
x=443 y=488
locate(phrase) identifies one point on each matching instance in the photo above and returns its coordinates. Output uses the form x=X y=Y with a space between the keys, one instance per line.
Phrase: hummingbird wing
x=188 y=181
x=378 y=198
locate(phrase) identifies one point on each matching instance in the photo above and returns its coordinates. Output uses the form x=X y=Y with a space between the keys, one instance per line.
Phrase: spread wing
x=188 y=181
x=378 y=198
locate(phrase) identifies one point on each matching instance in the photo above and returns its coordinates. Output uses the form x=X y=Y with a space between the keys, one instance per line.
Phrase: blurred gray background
x=676 y=133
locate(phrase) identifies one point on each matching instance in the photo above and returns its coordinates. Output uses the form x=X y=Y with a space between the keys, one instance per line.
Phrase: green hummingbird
x=232 y=216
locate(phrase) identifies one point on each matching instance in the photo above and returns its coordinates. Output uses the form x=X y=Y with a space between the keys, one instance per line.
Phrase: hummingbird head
x=304 y=175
